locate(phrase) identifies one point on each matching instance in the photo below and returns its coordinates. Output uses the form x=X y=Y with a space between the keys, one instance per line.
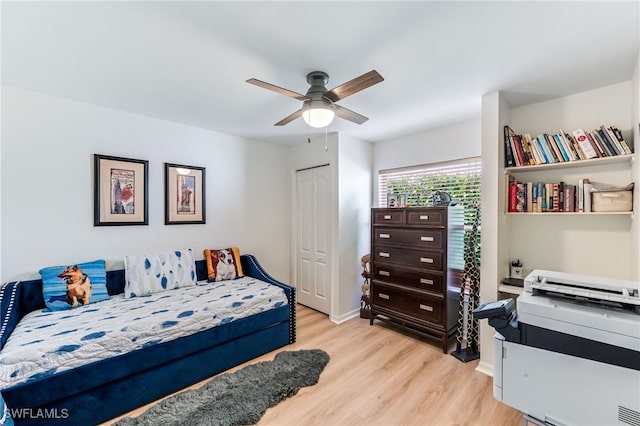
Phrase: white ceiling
x=187 y=62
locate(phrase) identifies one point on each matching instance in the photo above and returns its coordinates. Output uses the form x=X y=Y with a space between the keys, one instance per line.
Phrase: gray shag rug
x=239 y=398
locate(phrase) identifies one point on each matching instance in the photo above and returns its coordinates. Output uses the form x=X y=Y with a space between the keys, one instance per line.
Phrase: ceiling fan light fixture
x=318 y=114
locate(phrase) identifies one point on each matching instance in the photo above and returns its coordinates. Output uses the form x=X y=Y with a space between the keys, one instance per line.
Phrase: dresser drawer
x=409 y=257
x=388 y=217
x=433 y=217
x=420 y=238
x=410 y=303
x=423 y=280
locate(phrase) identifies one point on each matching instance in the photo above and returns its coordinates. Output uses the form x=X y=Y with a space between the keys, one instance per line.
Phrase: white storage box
x=612 y=199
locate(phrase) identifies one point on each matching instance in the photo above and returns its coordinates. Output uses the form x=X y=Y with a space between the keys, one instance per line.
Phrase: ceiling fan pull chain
x=325 y=140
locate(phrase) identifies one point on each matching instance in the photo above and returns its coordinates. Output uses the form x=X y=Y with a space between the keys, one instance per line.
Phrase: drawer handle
x=426 y=281
x=384 y=254
x=424 y=259
x=385 y=236
x=426 y=307
x=383 y=296
x=424 y=217
x=426 y=239
x=385 y=273
x=387 y=217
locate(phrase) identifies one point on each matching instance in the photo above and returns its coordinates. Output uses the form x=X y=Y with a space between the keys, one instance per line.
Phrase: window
x=460 y=179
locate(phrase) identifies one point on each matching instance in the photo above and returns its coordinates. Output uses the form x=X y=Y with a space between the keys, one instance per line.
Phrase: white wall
x=453 y=142
x=571 y=234
x=354 y=201
x=47 y=187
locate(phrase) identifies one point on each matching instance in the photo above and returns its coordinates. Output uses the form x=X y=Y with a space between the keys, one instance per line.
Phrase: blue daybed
x=102 y=390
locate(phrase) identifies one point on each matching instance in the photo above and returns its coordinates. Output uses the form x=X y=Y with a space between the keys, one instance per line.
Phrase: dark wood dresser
x=417 y=261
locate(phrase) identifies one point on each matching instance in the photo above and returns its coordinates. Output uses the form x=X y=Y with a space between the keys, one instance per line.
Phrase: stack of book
x=539 y=197
x=525 y=150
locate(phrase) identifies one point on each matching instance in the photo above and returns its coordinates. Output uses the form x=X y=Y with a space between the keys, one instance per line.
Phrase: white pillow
x=149 y=274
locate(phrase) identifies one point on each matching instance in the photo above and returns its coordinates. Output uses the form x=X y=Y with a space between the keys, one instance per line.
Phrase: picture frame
x=392 y=200
x=120 y=191
x=402 y=200
x=184 y=194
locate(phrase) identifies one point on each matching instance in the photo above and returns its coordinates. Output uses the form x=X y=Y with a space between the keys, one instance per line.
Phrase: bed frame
x=105 y=389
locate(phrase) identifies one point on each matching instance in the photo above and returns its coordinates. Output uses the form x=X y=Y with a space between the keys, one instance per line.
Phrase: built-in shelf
x=570 y=164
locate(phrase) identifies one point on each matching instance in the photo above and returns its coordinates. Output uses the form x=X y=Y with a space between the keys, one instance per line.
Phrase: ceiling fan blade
x=289 y=118
x=277 y=89
x=354 y=86
x=347 y=114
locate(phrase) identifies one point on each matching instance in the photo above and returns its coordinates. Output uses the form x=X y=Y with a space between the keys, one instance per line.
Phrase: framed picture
x=120 y=191
x=392 y=200
x=184 y=194
x=402 y=200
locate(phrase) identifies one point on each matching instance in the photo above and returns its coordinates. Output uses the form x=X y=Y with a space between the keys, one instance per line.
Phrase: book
x=509 y=161
x=615 y=140
x=519 y=150
x=576 y=146
x=618 y=134
x=530 y=197
x=617 y=148
x=558 y=142
x=607 y=142
x=557 y=157
x=580 y=195
x=545 y=151
x=526 y=142
x=561 y=196
x=555 y=198
x=605 y=146
x=539 y=196
x=596 y=145
x=584 y=144
x=536 y=151
x=569 y=197
x=520 y=197
x=587 y=195
x=513 y=197
x=570 y=144
x=567 y=146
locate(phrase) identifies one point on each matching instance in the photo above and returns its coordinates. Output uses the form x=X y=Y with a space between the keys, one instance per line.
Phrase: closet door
x=313 y=221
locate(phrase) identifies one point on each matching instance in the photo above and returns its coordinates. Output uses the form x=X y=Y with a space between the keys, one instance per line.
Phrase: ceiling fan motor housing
x=318 y=87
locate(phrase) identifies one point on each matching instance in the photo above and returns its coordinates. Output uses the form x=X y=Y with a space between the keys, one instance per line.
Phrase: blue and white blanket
x=44 y=343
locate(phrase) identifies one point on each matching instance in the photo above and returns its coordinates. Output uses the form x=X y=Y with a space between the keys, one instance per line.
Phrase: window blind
x=460 y=179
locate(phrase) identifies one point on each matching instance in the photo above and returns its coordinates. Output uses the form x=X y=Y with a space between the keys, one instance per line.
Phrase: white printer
x=570 y=353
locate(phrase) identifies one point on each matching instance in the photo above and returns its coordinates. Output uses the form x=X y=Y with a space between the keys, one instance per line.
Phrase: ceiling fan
x=319 y=104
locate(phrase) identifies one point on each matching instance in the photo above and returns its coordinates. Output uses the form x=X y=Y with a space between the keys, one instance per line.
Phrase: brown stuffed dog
x=78 y=285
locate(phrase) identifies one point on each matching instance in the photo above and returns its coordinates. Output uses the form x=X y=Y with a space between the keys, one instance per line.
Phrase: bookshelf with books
x=562 y=147
x=591 y=243
x=547 y=189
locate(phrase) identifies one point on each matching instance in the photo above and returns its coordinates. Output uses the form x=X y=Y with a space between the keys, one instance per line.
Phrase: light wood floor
x=379 y=375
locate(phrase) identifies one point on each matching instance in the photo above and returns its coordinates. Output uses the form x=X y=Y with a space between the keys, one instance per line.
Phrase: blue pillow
x=68 y=287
